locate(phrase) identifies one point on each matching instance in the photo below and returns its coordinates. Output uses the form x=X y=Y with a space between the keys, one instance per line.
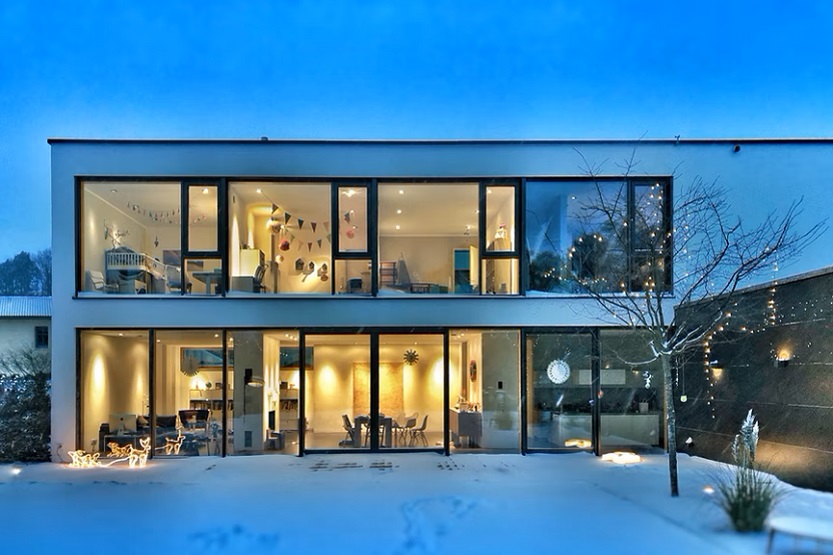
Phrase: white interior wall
x=429 y=259
x=114 y=373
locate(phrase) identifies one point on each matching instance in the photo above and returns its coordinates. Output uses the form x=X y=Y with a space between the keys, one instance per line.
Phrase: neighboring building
x=774 y=356
x=239 y=296
x=25 y=323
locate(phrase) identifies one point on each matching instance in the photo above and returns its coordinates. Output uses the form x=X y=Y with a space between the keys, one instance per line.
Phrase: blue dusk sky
x=397 y=69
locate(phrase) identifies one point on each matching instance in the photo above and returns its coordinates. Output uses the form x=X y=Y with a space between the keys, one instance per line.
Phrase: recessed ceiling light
x=114 y=190
x=121 y=334
x=205 y=191
x=399 y=211
x=260 y=191
x=397 y=227
x=401 y=192
x=489 y=191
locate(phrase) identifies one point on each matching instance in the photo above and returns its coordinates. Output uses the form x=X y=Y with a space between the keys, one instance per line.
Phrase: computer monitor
x=122 y=422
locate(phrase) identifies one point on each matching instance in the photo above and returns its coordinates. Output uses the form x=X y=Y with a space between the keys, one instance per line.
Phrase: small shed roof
x=25 y=306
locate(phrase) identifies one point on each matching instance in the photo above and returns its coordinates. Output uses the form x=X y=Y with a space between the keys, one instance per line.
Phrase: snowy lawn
x=380 y=503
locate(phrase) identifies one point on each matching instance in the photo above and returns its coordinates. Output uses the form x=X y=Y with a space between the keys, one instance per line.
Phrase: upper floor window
x=606 y=236
x=281 y=234
x=41 y=337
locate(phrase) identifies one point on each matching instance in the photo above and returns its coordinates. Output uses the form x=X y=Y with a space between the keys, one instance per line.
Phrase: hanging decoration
x=190 y=366
x=411 y=357
x=558 y=371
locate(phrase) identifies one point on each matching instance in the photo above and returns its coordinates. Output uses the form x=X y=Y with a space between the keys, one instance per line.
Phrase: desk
x=465 y=423
x=209 y=278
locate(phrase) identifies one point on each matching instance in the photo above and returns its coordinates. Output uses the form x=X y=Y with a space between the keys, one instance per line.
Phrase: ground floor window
x=178 y=393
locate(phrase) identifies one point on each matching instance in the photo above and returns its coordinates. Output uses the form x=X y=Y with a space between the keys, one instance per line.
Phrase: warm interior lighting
x=578 y=442
x=252 y=381
x=708 y=490
x=622 y=457
x=80 y=459
x=205 y=191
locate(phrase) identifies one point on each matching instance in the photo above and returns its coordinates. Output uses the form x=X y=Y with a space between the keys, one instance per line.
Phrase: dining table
x=385 y=427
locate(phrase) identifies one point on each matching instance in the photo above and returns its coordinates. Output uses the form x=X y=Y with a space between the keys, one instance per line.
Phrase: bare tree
x=24 y=361
x=624 y=261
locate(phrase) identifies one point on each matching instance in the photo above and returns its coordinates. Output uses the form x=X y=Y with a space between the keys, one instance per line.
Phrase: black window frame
x=41 y=337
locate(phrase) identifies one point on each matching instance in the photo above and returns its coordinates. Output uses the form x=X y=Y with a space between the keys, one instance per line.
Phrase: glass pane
x=202 y=215
x=411 y=391
x=559 y=390
x=289 y=223
x=651 y=236
x=422 y=227
x=501 y=276
x=130 y=237
x=576 y=233
x=204 y=276
x=631 y=403
x=352 y=224
x=337 y=380
x=353 y=277
x=114 y=392
x=500 y=219
x=189 y=365
x=264 y=380
x=484 y=389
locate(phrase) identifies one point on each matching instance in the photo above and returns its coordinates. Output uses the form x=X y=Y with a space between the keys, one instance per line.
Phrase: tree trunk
x=670 y=422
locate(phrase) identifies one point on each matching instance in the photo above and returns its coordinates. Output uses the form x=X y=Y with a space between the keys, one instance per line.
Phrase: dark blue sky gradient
x=398 y=69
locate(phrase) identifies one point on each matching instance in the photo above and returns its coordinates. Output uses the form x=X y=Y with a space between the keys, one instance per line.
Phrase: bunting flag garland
x=347 y=216
x=327 y=226
x=275 y=208
x=309 y=247
x=314 y=225
x=300 y=223
x=319 y=243
x=329 y=238
x=287 y=216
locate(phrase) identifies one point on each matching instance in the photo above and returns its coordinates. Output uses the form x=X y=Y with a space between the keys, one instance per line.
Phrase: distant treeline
x=27 y=274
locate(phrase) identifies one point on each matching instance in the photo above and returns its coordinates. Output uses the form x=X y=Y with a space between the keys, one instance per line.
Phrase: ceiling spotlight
x=401 y=192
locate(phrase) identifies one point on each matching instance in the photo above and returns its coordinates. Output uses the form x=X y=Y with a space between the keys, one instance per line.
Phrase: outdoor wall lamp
x=782 y=359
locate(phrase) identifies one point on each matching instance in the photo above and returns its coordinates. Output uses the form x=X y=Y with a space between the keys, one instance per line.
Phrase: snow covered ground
x=380 y=503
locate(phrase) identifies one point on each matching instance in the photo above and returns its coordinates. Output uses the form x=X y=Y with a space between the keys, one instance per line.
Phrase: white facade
x=787 y=167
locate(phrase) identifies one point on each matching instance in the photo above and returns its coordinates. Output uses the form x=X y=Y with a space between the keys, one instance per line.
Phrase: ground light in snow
x=622 y=457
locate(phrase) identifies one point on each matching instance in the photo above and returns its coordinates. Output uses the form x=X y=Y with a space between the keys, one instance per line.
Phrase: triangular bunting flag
x=309 y=246
x=287 y=216
x=329 y=238
x=319 y=243
x=300 y=223
x=274 y=209
x=327 y=226
x=347 y=216
x=314 y=225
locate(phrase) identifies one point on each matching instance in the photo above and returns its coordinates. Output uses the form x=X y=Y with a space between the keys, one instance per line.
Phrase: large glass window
x=114 y=391
x=131 y=234
x=337 y=380
x=484 y=389
x=411 y=381
x=189 y=393
x=280 y=237
x=631 y=404
x=559 y=390
x=607 y=236
x=428 y=238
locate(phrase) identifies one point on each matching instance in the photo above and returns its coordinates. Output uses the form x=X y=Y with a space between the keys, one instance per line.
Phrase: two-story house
x=235 y=296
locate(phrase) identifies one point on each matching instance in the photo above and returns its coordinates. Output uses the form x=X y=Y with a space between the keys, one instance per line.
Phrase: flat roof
x=25 y=306
x=672 y=140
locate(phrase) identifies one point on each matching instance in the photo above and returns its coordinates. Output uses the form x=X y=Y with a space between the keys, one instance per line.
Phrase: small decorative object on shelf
x=473 y=370
x=411 y=357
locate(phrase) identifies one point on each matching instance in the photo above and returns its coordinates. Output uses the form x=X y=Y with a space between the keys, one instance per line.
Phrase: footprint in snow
x=235 y=539
x=427 y=521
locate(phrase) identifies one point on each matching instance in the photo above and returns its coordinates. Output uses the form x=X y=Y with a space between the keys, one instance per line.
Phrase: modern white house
x=295 y=296
x=25 y=322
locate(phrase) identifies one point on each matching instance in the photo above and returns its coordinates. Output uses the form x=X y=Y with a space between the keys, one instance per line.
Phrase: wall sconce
x=252 y=381
x=782 y=359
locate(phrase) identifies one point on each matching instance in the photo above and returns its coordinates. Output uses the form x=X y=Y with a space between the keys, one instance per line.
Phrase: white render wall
x=762 y=177
x=20 y=332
